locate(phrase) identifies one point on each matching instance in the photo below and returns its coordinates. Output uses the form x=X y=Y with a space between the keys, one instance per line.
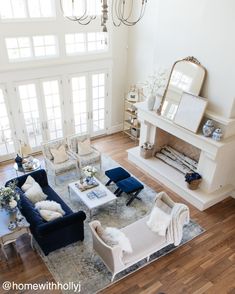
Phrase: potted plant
x=193 y=180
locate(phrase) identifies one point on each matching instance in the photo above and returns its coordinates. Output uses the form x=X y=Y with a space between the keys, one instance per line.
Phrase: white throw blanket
x=167 y=218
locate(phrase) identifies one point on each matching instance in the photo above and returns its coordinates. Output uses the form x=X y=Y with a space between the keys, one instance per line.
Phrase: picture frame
x=133 y=96
x=190 y=111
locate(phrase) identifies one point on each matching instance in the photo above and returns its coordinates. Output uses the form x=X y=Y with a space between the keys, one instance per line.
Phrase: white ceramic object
x=208 y=128
x=150 y=102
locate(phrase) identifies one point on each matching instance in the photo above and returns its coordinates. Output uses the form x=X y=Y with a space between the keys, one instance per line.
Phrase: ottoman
x=116 y=174
x=130 y=186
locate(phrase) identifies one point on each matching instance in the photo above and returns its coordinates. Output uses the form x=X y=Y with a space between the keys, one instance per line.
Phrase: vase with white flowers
x=154 y=88
x=9 y=197
x=89 y=172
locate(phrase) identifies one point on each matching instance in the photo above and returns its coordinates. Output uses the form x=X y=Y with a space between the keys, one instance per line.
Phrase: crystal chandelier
x=127 y=12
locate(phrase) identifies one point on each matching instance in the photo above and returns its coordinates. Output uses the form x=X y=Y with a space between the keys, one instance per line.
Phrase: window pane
x=75 y=43
x=11 y=9
x=19 y=48
x=45 y=45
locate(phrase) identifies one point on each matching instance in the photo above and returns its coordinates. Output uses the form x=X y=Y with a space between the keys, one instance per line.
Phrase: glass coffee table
x=95 y=202
x=36 y=165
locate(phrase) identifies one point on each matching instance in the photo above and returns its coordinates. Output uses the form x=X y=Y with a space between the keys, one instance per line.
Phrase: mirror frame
x=189 y=59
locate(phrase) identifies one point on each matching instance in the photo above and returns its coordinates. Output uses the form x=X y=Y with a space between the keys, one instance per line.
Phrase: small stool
x=130 y=186
x=116 y=174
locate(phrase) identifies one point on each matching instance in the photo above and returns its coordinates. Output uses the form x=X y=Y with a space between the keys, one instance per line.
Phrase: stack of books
x=97 y=193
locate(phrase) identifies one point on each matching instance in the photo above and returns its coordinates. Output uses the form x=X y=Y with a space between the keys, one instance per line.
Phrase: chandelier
x=127 y=12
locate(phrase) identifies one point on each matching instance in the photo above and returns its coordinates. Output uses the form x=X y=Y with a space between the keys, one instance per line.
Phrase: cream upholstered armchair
x=70 y=163
x=91 y=157
x=116 y=260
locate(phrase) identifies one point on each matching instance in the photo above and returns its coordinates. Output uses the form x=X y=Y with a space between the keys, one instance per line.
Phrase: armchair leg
x=113 y=277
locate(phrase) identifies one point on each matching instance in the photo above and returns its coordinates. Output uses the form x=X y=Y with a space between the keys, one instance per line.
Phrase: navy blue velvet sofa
x=57 y=233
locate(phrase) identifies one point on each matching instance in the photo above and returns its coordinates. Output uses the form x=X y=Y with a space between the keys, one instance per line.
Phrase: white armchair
x=93 y=158
x=117 y=261
x=58 y=168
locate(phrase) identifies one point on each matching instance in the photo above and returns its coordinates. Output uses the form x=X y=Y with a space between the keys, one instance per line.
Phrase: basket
x=194 y=185
x=146 y=153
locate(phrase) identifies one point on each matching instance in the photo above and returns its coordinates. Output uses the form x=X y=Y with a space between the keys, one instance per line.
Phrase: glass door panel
x=79 y=102
x=6 y=138
x=52 y=102
x=30 y=110
x=98 y=103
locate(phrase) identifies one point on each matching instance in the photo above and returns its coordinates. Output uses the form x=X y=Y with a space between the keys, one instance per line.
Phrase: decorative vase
x=150 y=102
x=208 y=128
x=217 y=134
x=157 y=103
x=90 y=180
x=19 y=160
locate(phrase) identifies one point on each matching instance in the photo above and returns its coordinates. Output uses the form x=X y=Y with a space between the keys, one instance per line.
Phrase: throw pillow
x=49 y=215
x=104 y=236
x=35 y=193
x=158 y=221
x=118 y=236
x=49 y=205
x=59 y=154
x=28 y=183
x=84 y=148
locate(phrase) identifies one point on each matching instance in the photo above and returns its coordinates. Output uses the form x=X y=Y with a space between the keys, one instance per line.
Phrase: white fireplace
x=216 y=160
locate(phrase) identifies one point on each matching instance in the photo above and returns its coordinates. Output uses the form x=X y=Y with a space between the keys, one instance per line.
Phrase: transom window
x=19 y=48
x=29 y=48
x=97 y=41
x=23 y=9
x=79 y=43
x=75 y=43
x=45 y=46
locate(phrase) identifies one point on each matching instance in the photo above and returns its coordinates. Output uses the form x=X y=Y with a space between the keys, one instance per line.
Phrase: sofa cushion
x=35 y=193
x=28 y=183
x=28 y=210
x=49 y=205
x=49 y=215
x=52 y=195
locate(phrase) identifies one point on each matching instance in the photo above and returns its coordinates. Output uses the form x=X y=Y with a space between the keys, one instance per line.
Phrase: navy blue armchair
x=57 y=233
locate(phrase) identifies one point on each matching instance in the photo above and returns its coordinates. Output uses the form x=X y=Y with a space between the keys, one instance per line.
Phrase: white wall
x=171 y=30
x=115 y=59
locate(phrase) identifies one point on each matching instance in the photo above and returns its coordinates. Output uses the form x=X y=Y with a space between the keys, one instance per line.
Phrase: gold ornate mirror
x=187 y=75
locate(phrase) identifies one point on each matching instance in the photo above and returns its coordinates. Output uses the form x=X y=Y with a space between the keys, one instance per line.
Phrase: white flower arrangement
x=89 y=171
x=9 y=197
x=156 y=83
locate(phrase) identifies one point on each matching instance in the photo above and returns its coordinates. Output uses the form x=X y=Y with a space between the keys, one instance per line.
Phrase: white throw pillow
x=35 y=193
x=158 y=221
x=59 y=154
x=119 y=237
x=49 y=205
x=49 y=215
x=84 y=148
x=28 y=183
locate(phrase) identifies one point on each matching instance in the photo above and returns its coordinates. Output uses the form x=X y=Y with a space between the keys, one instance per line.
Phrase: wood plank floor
x=204 y=265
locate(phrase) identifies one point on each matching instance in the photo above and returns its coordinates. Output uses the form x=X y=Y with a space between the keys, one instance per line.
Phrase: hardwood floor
x=204 y=265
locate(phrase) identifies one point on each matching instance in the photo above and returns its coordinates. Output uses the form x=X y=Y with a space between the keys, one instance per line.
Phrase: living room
x=117 y=146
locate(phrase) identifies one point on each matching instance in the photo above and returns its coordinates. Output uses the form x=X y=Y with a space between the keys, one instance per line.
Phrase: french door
x=88 y=92
x=7 y=140
x=41 y=109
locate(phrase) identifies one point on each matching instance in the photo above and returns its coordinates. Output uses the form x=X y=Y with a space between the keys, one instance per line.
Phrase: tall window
x=98 y=101
x=75 y=43
x=79 y=104
x=23 y=9
x=53 y=109
x=45 y=46
x=6 y=141
x=29 y=102
x=19 y=48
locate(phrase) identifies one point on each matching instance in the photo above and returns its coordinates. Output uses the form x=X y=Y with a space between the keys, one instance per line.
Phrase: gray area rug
x=76 y=262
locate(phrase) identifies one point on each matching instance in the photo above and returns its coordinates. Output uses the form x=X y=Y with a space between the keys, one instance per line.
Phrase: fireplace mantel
x=216 y=163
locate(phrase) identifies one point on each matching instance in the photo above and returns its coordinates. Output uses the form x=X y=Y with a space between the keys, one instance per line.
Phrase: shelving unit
x=130 y=127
